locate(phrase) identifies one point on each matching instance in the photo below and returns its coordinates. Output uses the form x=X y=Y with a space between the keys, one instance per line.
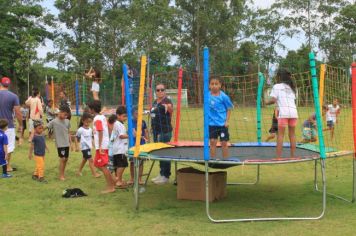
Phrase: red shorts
x=290 y=122
x=101 y=159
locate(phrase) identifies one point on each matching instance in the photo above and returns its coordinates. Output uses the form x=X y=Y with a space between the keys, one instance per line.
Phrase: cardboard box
x=191 y=184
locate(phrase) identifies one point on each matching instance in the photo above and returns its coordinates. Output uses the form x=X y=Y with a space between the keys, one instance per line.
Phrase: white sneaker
x=162 y=180
x=156 y=178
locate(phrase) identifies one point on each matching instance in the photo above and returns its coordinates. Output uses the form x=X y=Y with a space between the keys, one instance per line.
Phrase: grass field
x=31 y=208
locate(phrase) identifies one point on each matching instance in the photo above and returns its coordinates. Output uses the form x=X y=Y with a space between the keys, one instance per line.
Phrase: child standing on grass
x=283 y=93
x=119 y=139
x=3 y=148
x=84 y=135
x=38 y=147
x=101 y=140
x=219 y=116
x=111 y=121
x=274 y=127
x=144 y=139
x=61 y=128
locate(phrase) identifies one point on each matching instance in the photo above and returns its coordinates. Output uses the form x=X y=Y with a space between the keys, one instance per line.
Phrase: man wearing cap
x=9 y=104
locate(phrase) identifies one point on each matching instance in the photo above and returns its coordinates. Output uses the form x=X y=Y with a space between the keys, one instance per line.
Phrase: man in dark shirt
x=161 y=122
x=9 y=104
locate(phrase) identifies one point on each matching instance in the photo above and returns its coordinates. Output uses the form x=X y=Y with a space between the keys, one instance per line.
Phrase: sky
x=291 y=44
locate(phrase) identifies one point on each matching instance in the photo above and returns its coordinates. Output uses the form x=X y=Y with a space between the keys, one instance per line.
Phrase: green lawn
x=31 y=208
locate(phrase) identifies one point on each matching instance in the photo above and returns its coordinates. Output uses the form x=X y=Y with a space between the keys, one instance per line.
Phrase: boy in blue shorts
x=220 y=110
x=3 y=148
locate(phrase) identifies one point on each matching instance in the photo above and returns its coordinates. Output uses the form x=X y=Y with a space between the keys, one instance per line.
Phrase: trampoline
x=247 y=91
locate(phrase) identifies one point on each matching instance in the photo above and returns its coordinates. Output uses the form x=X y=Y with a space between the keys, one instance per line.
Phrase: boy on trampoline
x=220 y=110
x=274 y=127
x=332 y=112
x=309 y=129
x=283 y=93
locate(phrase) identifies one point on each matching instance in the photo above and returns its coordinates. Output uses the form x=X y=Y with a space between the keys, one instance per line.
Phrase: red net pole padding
x=179 y=101
x=353 y=91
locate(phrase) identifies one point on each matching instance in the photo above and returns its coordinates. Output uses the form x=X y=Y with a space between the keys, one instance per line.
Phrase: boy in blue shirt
x=219 y=116
x=3 y=148
x=38 y=147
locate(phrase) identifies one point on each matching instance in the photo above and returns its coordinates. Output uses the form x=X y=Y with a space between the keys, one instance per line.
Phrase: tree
x=341 y=48
x=22 y=29
x=273 y=29
x=216 y=24
x=83 y=21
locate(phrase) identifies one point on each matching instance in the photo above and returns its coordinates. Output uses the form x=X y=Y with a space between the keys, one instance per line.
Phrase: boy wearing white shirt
x=119 y=139
x=332 y=111
x=101 y=141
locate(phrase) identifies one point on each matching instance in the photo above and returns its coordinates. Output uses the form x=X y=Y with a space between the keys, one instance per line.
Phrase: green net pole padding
x=317 y=104
x=261 y=81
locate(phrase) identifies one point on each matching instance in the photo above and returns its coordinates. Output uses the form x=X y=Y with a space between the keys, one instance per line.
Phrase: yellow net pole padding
x=321 y=85
x=140 y=106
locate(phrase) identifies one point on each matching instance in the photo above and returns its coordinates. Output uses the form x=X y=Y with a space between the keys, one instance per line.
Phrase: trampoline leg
x=207 y=204
x=250 y=183
x=316 y=175
x=338 y=196
x=136 y=184
x=175 y=172
x=149 y=173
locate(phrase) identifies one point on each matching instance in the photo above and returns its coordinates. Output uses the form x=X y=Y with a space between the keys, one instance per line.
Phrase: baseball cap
x=5 y=81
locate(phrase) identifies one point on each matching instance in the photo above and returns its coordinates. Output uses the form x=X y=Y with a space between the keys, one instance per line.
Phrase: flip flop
x=130 y=183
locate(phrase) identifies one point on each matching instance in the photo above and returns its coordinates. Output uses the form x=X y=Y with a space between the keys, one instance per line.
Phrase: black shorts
x=330 y=123
x=120 y=161
x=86 y=154
x=221 y=132
x=24 y=126
x=63 y=152
x=273 y=130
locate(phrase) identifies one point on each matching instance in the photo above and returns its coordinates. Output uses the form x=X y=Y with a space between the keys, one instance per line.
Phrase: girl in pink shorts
x=283 y=93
